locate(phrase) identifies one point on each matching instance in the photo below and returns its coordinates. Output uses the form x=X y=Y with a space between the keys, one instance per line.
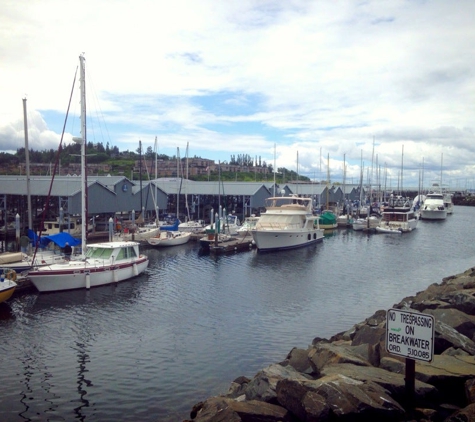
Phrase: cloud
x=240 y=76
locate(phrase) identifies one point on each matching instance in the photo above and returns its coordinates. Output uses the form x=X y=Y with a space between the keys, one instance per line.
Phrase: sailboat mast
x=27 y=157
x=274 y=170
x=298 y=173
x=82 y=80
x=402 y=169
x=441 y=166
x=140 y=170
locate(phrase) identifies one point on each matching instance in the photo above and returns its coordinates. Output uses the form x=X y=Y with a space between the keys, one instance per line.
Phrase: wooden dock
x=237 y=244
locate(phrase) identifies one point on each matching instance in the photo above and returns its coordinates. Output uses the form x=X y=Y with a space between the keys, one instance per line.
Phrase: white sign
x=410 y=334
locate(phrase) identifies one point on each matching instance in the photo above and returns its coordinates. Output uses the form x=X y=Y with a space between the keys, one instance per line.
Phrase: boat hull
x=85 y=274
x=140 y=235
x=162 y=241
x=370 y=223
x=7 y=288
x=433 y=214
x=273 y=240
x=404 y=227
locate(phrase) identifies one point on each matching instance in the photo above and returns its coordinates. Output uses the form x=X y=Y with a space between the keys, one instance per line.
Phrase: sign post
x=411 y=335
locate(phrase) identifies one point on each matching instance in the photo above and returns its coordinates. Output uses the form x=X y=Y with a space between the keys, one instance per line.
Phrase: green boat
x=327 y=220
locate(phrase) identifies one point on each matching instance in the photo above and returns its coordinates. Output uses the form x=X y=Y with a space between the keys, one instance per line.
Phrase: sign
x=410 y=334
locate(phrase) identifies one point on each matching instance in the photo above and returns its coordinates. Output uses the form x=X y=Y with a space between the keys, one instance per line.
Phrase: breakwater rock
x=351 y=376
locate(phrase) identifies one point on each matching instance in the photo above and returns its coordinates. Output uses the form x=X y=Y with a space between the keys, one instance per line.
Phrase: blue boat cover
x=59 y=239
x=171 y=228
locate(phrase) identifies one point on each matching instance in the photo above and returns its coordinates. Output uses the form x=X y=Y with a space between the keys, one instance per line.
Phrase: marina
x=151 y=347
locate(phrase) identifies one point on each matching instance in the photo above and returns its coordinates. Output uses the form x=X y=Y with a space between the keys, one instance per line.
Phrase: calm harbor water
x=150 y=348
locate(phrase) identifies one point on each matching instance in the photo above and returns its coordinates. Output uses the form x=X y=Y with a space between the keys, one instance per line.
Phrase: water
x=150 y=348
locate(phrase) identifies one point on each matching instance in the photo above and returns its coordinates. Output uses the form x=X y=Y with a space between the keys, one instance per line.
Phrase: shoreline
x=351 y=376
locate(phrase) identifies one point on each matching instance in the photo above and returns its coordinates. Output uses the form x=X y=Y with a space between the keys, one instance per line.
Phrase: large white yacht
x=398 y=216
x=287 y=223
x=433 y=207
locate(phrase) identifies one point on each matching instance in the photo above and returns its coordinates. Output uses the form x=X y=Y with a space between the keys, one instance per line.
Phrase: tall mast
x=27 y=157
x=83 y=141
x=402 y=168
x=441 y=166
x=274 y=170
x=140 y=170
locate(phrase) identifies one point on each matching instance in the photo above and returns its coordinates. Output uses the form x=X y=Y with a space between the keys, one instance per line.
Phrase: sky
x=331 y=89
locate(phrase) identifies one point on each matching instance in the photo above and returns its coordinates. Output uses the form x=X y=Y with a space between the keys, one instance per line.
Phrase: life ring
x=9 y=274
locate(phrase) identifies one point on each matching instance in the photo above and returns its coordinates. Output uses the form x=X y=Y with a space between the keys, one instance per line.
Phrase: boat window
x=132 y=252
x=122 y=254
x=99 y=253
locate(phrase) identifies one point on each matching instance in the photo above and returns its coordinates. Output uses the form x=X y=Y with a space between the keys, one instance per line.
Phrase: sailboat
x=170 y=235
x=102 y=263
x=192 y=226
x=327 y=219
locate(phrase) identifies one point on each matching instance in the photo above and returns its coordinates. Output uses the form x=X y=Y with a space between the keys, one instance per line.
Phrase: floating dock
x=237 y=244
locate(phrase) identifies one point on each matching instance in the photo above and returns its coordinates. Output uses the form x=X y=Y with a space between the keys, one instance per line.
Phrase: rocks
x=351 y=376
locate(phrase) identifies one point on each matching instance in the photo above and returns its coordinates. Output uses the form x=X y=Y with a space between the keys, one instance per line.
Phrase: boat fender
x=9 y=274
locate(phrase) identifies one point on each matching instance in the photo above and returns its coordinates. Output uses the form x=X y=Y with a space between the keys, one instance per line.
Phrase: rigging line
x=56 y=165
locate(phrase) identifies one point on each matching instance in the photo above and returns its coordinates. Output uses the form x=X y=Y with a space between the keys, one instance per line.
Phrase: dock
x=237 y=244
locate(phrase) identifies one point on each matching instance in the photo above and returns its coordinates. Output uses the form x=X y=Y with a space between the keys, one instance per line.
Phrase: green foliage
x=124 y=162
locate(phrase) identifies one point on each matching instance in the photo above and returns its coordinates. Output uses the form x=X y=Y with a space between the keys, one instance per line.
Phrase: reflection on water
x=149 y=348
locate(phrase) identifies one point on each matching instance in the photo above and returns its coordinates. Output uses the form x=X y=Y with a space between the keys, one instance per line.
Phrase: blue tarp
x=59 y=239
x=171 y=228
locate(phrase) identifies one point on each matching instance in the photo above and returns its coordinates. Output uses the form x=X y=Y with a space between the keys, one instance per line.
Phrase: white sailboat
x=103 y=263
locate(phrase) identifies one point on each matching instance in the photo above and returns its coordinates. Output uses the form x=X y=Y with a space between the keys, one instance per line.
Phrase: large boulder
x=220 y=409
x=298 y=359
x=392 y=382
x=336 y=397
x=263 y=386
x=447 y=336
x=331 y=353
x=448 y=374
x=458 y=320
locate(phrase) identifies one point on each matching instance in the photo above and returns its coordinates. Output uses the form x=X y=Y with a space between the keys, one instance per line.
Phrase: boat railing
x=277 y=226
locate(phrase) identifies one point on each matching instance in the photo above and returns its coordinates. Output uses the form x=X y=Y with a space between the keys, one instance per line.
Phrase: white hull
x=192 y=227
x=429 y=214
x=366 y=223
x=140 y=235
x=85 y=274
x=388 y=230
x=170 y=239
x=397 y=226
x=285 y=239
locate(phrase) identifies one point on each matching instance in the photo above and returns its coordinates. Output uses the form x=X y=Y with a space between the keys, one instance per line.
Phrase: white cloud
x=308 y=76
